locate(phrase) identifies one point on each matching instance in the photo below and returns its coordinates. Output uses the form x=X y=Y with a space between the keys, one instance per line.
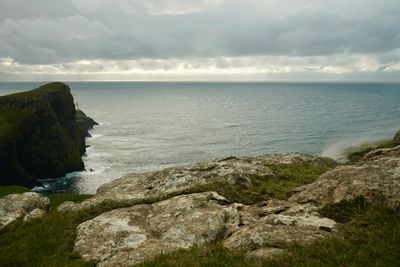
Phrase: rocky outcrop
x=39 y=135
x=128 y=236
x=170 y=181
x=396 y=138
x=124 y=237
x=15 y=206
x=280 y=224
x=84 y=123
x=179 y=218
x=376 y=178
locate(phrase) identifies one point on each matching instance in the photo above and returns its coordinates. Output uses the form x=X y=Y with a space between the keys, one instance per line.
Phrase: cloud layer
x=199 y=39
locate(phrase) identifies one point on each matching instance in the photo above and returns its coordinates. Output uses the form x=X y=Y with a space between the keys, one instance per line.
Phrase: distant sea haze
x=153 y=125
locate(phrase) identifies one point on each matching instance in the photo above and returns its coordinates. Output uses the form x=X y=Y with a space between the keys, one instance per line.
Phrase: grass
x=13 y=189
x=287 y=177
x=354 y=154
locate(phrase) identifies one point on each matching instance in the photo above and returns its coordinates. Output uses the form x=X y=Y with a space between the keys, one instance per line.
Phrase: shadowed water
x=148 y=126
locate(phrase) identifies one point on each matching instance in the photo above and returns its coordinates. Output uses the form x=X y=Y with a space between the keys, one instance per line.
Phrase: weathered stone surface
x=124 y=237
x=140 y=186
x=34 y=214
x=263 y=253
x=16 y=206
x=299 y=223
x=376 y=177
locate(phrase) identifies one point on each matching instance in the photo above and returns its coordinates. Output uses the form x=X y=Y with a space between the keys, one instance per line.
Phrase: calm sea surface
x=149 y=126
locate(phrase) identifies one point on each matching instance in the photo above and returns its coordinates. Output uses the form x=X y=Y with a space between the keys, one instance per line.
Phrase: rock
x=41 y=138
x=174 y=180
x=34 y=214
x=299 y=223
x=128 y=236
x=66 y=206
x=84 y=123
x=15 y=206
x=376 y=178
x=396 y=138
x=263 y=253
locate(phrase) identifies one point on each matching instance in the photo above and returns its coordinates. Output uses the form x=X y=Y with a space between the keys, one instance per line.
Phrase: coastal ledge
x=42 y=135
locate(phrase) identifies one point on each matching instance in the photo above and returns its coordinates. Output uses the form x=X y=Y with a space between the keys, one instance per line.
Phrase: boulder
x=127 y=236
x=15 y=206
x=34 y=214
x=263 y=253
x=376 y=178
x=299 y=223
x=124 y=237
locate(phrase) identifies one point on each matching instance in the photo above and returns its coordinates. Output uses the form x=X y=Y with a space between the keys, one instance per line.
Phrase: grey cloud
x=58 y=32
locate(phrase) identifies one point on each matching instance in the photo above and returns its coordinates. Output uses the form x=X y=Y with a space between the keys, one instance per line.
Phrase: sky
x=200 y=40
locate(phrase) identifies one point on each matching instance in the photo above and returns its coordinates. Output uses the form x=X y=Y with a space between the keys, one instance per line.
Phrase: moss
x=6 y=190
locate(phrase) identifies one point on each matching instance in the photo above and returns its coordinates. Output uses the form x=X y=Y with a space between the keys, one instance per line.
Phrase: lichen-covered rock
x=233 y=170
x=262 y=253
x=127 y=236
x=376 y=178
x=299 y=223
x=34 y=214
x=17 y=206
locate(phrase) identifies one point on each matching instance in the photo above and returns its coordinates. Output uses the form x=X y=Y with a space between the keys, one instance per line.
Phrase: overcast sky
x=272 y=40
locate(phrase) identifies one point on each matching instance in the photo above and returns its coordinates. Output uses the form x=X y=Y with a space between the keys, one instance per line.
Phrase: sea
x=147 y=126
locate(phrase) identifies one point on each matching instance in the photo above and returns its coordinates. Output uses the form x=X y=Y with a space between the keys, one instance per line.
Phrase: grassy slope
x=11 y=117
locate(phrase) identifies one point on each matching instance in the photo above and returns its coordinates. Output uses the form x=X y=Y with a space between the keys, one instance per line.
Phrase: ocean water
x=149 y=126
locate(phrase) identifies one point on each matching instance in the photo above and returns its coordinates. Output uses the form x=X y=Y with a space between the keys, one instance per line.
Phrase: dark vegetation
x=39 y=135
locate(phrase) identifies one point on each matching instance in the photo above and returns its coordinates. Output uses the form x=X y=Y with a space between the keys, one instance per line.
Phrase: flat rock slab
x=299 y=223
x=128 y=236
x=15 y=206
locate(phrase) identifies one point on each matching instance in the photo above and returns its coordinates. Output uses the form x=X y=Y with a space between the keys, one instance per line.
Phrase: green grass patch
x=57 y=199
x=12 y=189
x=287 y=177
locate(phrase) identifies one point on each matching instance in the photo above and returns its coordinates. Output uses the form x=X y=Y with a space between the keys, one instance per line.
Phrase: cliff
x=41 y=135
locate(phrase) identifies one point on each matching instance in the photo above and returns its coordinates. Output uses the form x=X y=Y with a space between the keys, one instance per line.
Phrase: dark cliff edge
x=42 y=135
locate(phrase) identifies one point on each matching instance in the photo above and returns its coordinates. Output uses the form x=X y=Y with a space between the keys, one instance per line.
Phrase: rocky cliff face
x=39 y=135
